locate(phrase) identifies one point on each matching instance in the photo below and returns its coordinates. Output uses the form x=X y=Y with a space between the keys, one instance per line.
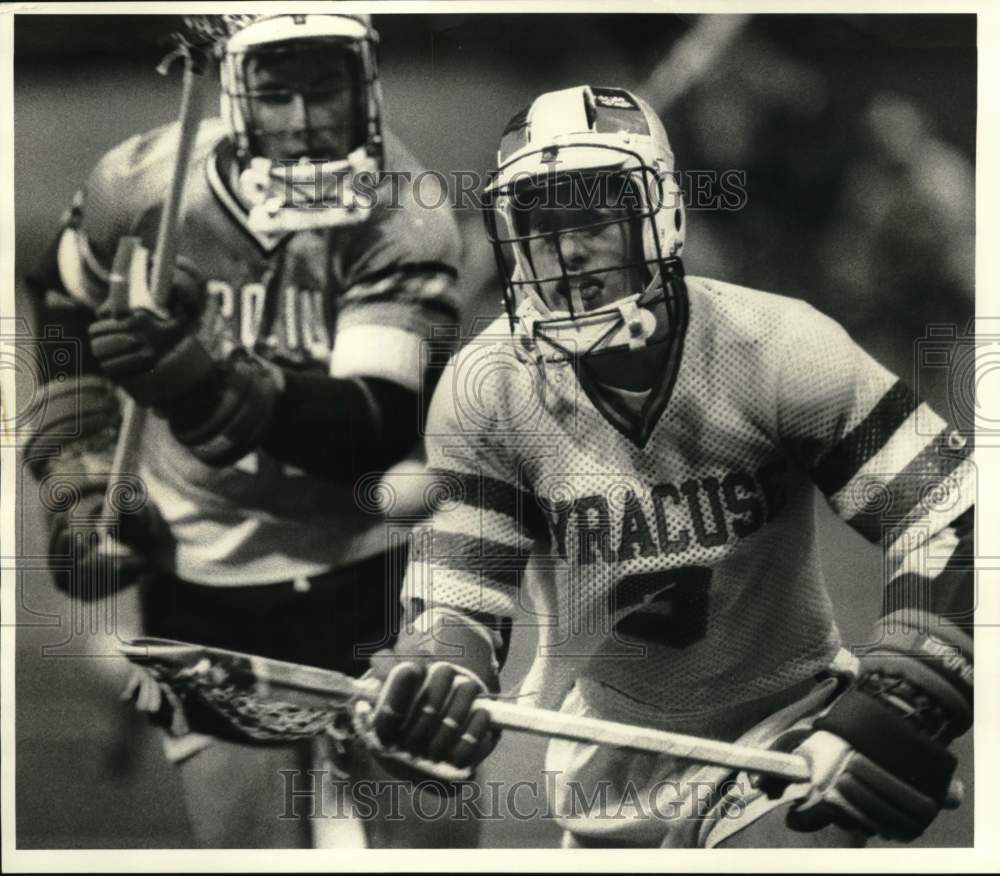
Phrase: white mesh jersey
x=352 y=301
x=681 y=577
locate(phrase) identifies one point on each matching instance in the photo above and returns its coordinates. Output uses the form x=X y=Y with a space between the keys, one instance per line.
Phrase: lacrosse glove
x=71 y=457
x=425 y=718
x=879 y=754
x=218 y=410
x=152 y=356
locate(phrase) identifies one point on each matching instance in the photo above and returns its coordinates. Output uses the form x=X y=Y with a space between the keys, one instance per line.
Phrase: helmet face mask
x=576 y=254
x=302 y=100
x=587 y=224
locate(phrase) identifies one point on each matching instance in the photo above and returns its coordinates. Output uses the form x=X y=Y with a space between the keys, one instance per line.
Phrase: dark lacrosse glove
x=426 y=713
x=879 y=755
x=218 y=410
x=426 y=710
x=154 y=357
x=71 y=457
x=102 y=566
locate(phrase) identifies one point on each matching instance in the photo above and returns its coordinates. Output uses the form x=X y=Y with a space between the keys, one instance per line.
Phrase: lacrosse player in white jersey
x=653 y=443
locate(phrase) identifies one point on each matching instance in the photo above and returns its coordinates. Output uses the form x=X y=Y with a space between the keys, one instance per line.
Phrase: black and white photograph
x=555 y=431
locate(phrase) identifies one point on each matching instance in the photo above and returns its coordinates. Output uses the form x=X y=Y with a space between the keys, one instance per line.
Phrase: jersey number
x=668 y=608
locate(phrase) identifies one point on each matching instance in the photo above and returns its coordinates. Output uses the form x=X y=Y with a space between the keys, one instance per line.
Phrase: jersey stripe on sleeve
x=836 y=469
x=881 y=506
x=478 y=550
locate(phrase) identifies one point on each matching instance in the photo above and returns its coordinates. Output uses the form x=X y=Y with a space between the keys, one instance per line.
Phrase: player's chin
x=328 y=147
x=296 y=148
x=614 y=288
x=282 y=153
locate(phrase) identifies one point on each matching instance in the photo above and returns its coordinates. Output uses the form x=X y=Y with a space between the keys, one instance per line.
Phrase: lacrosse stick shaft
x=509 y=716
x=165 y=253
x=783 y=765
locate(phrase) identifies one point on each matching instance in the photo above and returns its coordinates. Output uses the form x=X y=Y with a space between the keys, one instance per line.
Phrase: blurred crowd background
x=856 y=135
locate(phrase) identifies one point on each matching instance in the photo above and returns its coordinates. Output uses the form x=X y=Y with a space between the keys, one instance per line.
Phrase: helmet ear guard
x=665 y=237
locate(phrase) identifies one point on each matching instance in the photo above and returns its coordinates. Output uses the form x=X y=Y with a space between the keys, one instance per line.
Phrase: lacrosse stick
x=273 y=700
x=692 y=57
x=123 y=271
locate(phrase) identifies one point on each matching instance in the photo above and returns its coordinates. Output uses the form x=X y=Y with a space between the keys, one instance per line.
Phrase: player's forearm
x=342 y=428
x=330 y=427
x=948 y=593
x=472 y=574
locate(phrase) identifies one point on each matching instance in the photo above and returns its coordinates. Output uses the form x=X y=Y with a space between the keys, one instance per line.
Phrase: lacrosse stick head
x=254 y=698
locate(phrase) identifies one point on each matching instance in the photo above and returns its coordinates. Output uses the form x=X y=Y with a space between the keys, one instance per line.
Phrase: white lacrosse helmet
x=578 y=136
x=314 y=191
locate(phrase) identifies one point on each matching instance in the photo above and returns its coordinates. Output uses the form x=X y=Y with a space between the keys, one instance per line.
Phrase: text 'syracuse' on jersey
x=674 y=580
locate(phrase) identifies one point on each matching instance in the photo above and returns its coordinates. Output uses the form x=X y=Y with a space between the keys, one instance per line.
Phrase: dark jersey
x=351 y=301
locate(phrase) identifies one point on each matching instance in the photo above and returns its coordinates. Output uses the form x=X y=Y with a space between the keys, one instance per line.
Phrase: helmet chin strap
x=308 y=195
x=625 y=324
